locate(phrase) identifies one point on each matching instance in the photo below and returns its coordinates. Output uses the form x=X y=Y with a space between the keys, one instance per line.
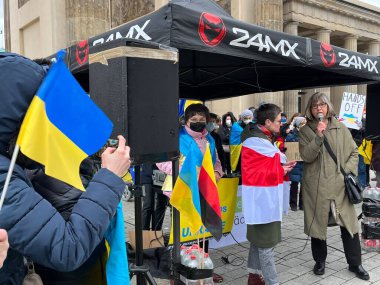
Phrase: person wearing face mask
x=194 y=131
x=224 y=131
x=235 y=139
x=324 y=195
x=212 y=127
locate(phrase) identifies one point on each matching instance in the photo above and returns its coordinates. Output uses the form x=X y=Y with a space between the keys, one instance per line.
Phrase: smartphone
x=112 y=143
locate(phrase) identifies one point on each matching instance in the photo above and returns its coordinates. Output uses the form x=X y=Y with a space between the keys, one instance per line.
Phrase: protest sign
x=351 y=110
x=293 y=151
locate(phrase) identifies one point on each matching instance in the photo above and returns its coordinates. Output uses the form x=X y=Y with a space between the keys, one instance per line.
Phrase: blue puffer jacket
x=35 y=228
x=296 y=174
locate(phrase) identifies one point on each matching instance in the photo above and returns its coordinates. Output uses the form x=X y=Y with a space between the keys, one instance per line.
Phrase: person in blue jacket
x=295 y=175
x=36 y=229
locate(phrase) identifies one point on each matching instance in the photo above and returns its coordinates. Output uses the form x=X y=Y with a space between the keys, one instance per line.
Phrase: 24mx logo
x=357 y=62
x=135 y=32
x=264 y=43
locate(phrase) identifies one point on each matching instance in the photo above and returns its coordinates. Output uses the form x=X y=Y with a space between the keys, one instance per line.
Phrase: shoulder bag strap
x=331 y=153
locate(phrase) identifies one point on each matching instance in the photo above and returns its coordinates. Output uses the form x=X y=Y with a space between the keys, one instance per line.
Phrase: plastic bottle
x=182 y=252
x=371 y=244
x=186 y=257
x=193 y=262
x=208 y=264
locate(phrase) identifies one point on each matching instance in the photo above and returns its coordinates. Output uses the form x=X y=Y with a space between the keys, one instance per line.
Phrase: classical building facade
x=37 y=28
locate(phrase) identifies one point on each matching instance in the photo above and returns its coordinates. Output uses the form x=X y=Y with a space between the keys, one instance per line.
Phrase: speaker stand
x=139 y=270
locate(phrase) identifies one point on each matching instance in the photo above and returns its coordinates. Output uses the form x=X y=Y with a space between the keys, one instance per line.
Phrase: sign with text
x=351 y=110
x=293 y=151
x=239 y=230
x=227 y=189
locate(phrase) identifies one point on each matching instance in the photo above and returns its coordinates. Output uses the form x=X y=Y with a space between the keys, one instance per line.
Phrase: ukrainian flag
x=185 y=194
x=63 y=126
x=183 y=104
x=235 y=145
x=117 y=264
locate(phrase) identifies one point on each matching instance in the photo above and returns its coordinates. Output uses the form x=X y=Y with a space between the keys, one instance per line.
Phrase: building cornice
x=352 y=9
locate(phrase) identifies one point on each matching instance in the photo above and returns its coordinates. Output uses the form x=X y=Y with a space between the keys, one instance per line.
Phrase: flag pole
x=9 y=174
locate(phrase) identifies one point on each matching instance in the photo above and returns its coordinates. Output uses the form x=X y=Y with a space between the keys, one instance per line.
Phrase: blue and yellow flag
x=235 y=144
x=183 y=104
x=117 y=264
x=63 y=126
x=185 y=195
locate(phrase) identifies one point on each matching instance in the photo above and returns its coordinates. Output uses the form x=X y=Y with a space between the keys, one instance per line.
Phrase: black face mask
x=197 y=127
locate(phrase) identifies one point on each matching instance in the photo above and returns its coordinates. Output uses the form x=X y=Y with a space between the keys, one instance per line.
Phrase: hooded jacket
x=35 y=228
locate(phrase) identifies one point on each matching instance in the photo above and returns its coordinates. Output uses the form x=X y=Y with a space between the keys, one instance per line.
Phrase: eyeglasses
x=321 y=105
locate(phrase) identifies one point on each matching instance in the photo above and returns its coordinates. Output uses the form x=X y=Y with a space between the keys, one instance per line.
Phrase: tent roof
x=222 y=57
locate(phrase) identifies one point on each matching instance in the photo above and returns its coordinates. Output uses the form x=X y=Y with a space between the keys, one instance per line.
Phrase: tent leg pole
x=176 y=228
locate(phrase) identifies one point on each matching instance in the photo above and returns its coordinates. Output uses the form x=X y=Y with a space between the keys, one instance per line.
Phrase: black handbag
x=352 y=187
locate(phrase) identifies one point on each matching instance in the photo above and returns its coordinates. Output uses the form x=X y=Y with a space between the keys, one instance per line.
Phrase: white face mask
x=247 y=121
x=228 y=122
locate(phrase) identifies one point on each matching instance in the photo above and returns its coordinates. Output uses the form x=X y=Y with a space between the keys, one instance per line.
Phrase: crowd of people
x=49 y=227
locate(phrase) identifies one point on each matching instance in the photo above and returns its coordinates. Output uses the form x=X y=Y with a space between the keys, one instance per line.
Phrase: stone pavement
x=294 y=261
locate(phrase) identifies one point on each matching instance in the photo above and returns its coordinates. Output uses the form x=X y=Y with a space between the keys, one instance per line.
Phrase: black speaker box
x=372 y=126
x=136 y=85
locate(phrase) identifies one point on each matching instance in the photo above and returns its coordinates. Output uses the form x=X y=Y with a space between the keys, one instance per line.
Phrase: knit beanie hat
x=246 y=113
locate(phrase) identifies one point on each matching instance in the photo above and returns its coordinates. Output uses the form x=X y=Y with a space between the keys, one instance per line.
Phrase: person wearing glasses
x=265 y=196
x=324 y=198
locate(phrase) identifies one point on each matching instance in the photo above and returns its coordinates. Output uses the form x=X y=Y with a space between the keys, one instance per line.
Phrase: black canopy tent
x=222 y=57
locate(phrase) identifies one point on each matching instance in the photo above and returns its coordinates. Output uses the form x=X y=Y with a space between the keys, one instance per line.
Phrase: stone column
x=291 y=96
x=350 y=43
x=373 y=49
x=323 y=35
x=7 y=29
x=159 y=3
x=86 y=18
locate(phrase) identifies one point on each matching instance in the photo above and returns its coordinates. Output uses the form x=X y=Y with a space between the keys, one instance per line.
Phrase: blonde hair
x=318 y=96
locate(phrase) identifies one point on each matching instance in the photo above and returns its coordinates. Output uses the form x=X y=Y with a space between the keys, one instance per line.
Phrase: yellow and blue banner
x=229 y=205
x=63 y=126
x=235 y=144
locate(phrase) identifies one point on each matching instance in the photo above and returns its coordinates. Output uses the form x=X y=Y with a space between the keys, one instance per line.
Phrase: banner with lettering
x=239 y=230
x=351 y=110
x=227 y=188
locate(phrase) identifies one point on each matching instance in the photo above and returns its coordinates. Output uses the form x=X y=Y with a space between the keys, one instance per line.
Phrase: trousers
x=351 y=246
x=262 y=259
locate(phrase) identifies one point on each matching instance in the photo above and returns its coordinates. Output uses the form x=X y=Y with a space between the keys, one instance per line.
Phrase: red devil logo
x=81 y=52
x=211 y=29
x=327 y=55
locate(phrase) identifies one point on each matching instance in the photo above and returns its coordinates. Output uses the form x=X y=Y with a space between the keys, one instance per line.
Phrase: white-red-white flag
x=265 y=193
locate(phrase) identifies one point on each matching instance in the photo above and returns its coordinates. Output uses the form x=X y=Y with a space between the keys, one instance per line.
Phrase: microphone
x=320 y=117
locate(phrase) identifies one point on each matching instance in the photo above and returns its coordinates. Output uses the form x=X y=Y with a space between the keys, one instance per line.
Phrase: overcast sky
x=372 y=2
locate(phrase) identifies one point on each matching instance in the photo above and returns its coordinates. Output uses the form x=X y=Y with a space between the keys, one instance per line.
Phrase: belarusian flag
x=265 y=194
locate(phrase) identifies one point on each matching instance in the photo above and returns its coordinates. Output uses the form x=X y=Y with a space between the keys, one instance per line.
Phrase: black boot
x=359 y=271
x=319 y=268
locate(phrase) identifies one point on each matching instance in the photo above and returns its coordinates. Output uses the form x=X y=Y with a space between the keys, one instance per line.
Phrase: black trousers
x=293 y=195
x=351 y=246
x=154 y=207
